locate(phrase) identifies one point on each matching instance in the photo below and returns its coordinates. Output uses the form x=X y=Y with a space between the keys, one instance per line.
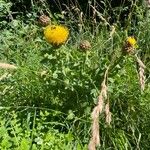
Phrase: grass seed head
x=141 y=73
x=7 y=66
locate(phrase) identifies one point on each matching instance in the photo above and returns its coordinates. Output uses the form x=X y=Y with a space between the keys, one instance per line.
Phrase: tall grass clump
x=89 y=90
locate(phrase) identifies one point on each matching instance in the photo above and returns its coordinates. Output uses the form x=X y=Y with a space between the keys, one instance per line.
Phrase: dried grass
x=95 y=135
x=141 y=73
x=113 y=30
x=108 y=113
x=96 y=12
x=7 y=66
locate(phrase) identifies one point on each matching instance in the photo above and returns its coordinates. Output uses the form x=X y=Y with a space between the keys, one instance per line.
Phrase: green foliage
x=47 y=101
x=4 y=8
x=33 y=132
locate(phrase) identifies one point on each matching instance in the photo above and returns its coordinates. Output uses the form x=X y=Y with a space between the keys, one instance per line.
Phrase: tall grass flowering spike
x=56 y=34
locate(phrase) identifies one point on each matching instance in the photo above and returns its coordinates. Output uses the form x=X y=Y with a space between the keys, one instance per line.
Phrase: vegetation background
x=46 y=103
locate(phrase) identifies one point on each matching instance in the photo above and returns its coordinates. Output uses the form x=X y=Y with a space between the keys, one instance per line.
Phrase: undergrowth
x=46 y=103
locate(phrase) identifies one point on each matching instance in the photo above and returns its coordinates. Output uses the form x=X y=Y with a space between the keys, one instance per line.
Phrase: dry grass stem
x=113 y=30
x=7 y=66
x=141 y=73
x=95 y=137
x=99 y=15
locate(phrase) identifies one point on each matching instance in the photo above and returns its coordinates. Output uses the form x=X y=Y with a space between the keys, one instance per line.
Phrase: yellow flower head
x=56 y=34
x=132 y=42
x=130 y=45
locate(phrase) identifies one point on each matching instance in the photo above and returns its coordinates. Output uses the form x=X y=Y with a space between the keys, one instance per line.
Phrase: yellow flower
x=132 y=42
x=56 y=34
x=130 y=45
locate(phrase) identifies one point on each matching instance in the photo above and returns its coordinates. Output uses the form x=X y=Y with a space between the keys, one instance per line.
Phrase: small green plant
x=34 y=131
